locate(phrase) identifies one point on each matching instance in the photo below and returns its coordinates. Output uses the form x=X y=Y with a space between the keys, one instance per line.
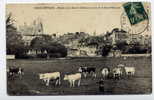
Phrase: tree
x=106 y=49
x=122 y=46
x=14 y=43
x=37 y=44
x=56 y=50
x=137 y=48
x=46 y=43
x=92 y=41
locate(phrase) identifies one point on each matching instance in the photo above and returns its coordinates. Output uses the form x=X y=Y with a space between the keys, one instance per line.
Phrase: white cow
x=105 y=72
x=130 y=71
x=46 y=77
x=72 y=78
x=117 y=72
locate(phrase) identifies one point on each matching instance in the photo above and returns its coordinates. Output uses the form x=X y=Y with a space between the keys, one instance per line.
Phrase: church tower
x=38 y=27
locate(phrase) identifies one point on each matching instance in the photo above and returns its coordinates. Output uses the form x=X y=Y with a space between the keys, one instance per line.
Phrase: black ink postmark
x=135 y=18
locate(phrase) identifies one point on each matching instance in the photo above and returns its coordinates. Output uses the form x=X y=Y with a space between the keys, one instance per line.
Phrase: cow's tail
x=59 y=80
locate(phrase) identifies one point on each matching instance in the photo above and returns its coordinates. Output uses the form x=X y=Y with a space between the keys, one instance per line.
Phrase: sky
x=90 y=19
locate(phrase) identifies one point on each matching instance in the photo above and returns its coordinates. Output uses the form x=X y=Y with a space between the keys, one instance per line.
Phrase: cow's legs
x=85 y=74
x=94 y=75
x=59 y=81
x=79 y=82
x=119 y=76
x=20 y=72
x=70 y=83
x=47 y=83
x=44 y=80
x=133 y=73
x=129 y=74
x=73 y=83
x=56 y=82
x=114 y=75
x=104 y=76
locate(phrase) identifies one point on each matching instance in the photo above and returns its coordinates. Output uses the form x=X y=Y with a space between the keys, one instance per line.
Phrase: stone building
x=119 y=35
x=31 y=31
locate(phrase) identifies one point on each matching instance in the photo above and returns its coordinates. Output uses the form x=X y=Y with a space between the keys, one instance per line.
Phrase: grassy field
x=30 y=84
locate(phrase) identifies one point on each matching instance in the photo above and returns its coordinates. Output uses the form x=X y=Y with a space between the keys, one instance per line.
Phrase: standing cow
x=117 y=72
x=130 y=71
x=12 y=71
x=46 y=77
x=72 y=78
x=87 y=70
x=105 y=73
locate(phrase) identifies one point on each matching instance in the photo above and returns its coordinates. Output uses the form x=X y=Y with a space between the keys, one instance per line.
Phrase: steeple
x=38 y=27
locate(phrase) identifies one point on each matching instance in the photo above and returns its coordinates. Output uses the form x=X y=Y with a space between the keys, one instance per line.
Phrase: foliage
x=123 y=46
x=137 y=48
x=15 y=44
x=69 y=37
x=92 y=41
x=46 y=43
x=106 y=49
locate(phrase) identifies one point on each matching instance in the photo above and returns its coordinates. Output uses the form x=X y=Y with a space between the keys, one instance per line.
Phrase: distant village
x=81 y=44
x=73 y=44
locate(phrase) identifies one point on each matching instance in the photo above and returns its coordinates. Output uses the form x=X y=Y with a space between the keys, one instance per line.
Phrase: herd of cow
x=117 y=72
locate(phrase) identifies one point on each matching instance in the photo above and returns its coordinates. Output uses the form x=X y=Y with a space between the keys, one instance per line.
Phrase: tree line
x=17 y=46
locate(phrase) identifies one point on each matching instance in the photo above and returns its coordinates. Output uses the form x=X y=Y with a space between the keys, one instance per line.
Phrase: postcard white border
x=3 y=93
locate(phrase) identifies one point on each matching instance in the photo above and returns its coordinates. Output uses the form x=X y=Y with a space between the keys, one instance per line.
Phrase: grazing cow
x=87 y=70
x=15 y=71
x=130 y=71
x=46 y=77
x=105 y=72
x=72 y=78
x=117 y=72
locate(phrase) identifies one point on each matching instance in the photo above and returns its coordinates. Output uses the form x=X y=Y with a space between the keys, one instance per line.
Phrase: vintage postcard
x=79 y=48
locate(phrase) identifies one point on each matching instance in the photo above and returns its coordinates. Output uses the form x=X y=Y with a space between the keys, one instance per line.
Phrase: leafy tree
x=46 y=43
x=14 y=43
x=137 y=48
x=106 y=49
x=92 y=41
x=122 y=45
x=56 y=50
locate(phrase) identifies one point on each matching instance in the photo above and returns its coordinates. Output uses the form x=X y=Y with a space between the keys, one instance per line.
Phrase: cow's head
x=41 y=76
x=80 y=69
x=66 y=77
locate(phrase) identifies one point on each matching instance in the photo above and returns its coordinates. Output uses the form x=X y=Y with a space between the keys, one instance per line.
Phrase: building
x=142 y=39
x=119 y=35
x=115 y=53
x=29 y=32
x=75 y=49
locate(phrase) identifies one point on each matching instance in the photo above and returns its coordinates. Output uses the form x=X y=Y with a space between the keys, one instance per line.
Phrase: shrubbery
x=14 y=42
x=52 y=48
x=105 y=50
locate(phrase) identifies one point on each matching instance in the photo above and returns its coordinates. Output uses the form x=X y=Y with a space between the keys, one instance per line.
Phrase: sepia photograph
x=78 y=48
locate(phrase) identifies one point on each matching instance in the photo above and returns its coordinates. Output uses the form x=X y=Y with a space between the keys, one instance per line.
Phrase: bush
x=55 y=55
x=105 y=50
x=24 y=56
x=41 y=55
x=46 y=43
x=57 y=50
